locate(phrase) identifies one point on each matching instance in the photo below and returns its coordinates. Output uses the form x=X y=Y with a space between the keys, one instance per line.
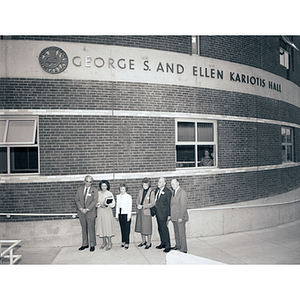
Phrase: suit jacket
x=163 y=203
x=91 y=201
x=148 y=202
x=179 y=206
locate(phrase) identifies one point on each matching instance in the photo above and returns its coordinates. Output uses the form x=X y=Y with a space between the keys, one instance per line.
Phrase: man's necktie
x=85 y=192
x=157 y=195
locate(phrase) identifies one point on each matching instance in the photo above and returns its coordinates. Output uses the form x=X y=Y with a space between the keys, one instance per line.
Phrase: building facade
x=122 y=108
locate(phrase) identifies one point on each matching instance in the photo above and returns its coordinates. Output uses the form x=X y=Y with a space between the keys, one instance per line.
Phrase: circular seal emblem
x=53 y=60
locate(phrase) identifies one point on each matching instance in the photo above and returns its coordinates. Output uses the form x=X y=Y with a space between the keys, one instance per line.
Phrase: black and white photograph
x=174 y=150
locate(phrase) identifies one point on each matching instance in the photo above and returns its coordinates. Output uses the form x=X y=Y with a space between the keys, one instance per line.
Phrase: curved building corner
x=122 y=108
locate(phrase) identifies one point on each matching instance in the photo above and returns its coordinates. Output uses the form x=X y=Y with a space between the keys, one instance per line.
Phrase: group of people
x=165 y=204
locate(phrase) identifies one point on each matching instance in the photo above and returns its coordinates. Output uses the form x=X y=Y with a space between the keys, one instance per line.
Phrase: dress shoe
x=82 y=248
x=167 y=250
x=148 y=246
x=102 y=246
x=123 y=244
x=160 y=246
x=142 y=244
x=175 y=248
x=126 y=247
x=92 y=248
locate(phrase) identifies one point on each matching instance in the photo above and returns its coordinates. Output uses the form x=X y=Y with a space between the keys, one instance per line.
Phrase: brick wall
x=233 y=48
x=144 y=144
x=71 y=145
x=99 y=144
x=173 y=43
x=295 y=74
x=75 y=94
x=268 y=144
x=65 y=150
x=237 y=144
x=44 y=198
x=256 y=51
x=75 y=145
x=130 y=143
x=79 y=145
x=203 y=191
x=297 y=144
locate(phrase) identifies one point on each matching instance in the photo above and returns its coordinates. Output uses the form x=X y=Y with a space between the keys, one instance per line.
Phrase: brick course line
x=132 y=113
x=120 y=176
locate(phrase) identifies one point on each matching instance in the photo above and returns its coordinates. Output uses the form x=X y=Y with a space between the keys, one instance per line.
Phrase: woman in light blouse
x=123 y=213
x=207 y=159
x=105 y=219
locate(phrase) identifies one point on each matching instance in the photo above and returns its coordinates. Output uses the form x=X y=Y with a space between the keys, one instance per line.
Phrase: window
x=18 y=145
x=284 y=58
x=195 y=45
x=195 y=144
x=286 y=50
x=287 y=144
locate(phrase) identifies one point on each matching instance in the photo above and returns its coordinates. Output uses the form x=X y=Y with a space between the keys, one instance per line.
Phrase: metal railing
x=8 y=215
x=73 y=215
x=12 y=257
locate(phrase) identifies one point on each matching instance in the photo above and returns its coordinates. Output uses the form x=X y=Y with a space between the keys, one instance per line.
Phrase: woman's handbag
x=153 y=211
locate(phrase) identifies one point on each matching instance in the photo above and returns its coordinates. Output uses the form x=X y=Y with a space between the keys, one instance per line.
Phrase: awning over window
x=289 y=42
x=21 y=131
x=18 y=131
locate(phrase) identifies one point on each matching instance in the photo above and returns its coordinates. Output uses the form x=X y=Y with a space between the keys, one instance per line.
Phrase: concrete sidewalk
x=276 y=245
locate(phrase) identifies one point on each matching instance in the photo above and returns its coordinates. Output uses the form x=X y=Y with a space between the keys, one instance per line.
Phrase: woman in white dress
x=105 y=220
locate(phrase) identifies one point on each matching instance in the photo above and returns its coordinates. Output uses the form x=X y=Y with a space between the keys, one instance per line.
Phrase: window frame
x=197 y=45
x=286 y=144
x=9 y=145
x=286 y=52
x=196 y=143
x=284 y=58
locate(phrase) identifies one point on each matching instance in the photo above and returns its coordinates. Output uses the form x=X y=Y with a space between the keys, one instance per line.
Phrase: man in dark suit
x=162 y=202
x=86 y=199
x=179 y=215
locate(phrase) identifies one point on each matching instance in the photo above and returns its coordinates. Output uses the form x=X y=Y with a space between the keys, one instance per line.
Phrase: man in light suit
x=179 y=215
x=86 y=199
x=162 y=203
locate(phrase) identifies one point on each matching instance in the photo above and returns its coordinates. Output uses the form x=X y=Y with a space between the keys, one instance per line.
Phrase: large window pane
x=205 y=132
x=18 y=144
x=284 y=58
x=288 y=136
x=193 y=137
x=186 y=132
x=21 y=131
x=283 y=137
x=3 y=160
x=283 y=153
x=24 y=159
x=287 y=144
x=205 y=156
x=185 y=156
x=195 y=44
x=289 y=153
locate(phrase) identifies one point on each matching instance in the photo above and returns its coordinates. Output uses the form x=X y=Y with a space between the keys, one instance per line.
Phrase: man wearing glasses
x=86 y=199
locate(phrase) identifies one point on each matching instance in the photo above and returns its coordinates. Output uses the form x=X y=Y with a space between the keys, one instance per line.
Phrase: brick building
x=125 y=107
